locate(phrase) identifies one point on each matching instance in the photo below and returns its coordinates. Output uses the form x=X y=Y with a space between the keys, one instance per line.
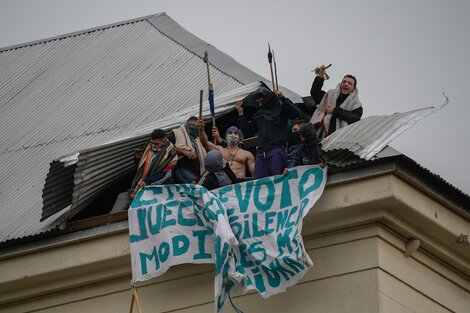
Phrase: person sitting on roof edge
x=270 y=121
x=240 y=161
x=336 y=108
x=155 y=166
x=190 y=151
x=218 y=172
x=307 y=152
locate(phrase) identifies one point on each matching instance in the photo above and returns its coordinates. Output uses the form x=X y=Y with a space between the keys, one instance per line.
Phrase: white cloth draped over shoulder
x=182 y=140
x=322 y=119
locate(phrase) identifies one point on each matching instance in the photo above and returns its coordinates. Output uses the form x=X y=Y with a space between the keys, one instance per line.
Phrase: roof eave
x=399 y=165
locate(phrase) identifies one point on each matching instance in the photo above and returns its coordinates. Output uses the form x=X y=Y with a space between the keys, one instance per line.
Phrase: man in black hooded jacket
x=270 y=122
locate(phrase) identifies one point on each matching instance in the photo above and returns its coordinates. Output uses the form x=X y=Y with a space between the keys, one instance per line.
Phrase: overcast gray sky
x=403 y=53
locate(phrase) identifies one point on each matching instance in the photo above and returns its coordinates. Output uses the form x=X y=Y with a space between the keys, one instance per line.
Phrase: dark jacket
x=270 y=121
x=304 y=154
x=210 y=181
x=308 y=151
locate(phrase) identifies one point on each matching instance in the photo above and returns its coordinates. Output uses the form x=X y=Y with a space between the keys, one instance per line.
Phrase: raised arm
x=248 y=128
x=316 y=91
x=204 y=139
x=288 y=107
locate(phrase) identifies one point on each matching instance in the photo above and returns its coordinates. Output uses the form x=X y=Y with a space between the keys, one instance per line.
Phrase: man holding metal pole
x=269 y=122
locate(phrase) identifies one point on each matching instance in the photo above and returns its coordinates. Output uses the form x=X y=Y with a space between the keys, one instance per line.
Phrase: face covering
x=296 y=138
x=193 y=130
x=293 y=139
x=214 y=163
x=232 y=139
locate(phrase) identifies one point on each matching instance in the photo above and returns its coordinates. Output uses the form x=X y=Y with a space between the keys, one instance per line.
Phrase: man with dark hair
x=154 y=167
x=190 y=152
x=307 y=152
x=293 y=137
x=270 y=122
x=336 y=108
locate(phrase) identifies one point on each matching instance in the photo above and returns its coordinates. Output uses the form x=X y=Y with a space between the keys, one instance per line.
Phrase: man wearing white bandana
x=336 y=108
x=241 y=161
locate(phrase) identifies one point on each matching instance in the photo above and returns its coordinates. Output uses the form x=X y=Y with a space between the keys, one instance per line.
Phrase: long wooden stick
x=206 y=60
x=136 y=296
x=213 y=117
x=200 y=103
x=275 y=71
x=209 y=84
x=270 y=60
x=272 y=76
x=132 y=303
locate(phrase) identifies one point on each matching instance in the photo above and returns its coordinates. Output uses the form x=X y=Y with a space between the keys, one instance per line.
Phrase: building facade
x=383 y=238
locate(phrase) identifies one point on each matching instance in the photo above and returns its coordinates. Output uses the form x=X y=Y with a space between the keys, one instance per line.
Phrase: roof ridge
x=80 y=32
x=188 y=49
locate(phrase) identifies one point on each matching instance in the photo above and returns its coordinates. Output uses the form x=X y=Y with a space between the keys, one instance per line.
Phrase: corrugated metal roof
x=74 y=181
x=363 y=140
x=80 y=90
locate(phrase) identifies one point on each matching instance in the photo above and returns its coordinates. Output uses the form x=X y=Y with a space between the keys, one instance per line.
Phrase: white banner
x=251 y=230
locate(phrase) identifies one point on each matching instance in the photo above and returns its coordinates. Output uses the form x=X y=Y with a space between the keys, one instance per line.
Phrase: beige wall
x=356 y=236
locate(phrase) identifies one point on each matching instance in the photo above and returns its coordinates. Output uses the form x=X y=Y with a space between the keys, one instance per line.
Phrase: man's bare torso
x=238 y=159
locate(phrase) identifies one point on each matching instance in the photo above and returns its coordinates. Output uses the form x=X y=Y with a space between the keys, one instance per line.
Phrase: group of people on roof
x=186 y=156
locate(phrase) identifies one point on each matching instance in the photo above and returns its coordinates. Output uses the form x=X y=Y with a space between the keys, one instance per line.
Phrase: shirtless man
x=238 y=159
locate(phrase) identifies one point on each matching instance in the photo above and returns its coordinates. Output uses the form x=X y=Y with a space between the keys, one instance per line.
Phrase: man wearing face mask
x=237 y=158
x=190 y=152
x=154 y=167
x=336 y=108
x=307 y=152
x=294 y=137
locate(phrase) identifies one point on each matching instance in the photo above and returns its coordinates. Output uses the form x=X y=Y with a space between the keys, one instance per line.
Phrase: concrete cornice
x=396 y=204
